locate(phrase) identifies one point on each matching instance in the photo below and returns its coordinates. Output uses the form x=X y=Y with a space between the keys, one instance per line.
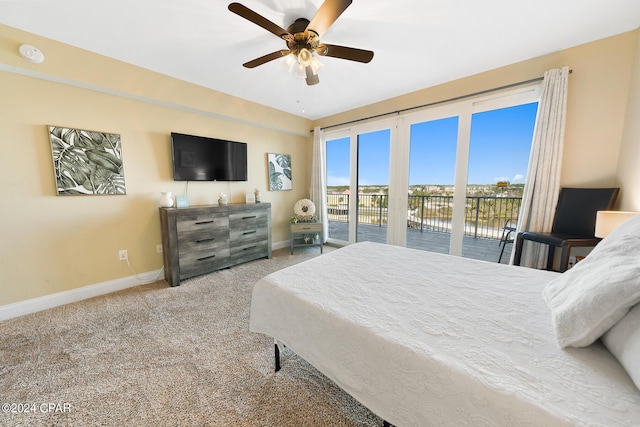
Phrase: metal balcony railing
x=484 y=215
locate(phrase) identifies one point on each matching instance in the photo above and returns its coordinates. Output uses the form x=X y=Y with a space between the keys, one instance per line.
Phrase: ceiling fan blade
x=312 y=79
x=343 y=52
x=327 y=15
x=266 y=58
x=257 y=19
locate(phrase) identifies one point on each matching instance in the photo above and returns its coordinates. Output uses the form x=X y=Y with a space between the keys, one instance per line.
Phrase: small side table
x=300 y=230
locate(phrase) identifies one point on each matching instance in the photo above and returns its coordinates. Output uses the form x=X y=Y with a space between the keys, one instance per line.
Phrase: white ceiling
x=417 y=43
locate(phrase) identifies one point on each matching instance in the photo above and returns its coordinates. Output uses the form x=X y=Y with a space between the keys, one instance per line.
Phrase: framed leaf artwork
x=86 y=162
x=279 y=171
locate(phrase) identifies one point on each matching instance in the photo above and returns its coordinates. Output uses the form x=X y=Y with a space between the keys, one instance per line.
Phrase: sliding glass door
x=498 y=160
x=442 y=179
x=432 y=162
x=338 y=174
x=372 y=195
x=357 y=171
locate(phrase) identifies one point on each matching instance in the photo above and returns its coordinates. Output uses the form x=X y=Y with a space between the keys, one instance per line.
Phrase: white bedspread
x=424 y=339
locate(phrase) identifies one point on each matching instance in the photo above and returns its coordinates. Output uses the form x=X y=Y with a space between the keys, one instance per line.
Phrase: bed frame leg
x=277 y=354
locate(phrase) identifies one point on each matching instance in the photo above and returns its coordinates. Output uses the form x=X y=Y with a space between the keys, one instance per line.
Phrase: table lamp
x=607 y=221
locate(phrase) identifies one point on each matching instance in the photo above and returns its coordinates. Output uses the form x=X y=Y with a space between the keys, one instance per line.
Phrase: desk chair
x=573 y=224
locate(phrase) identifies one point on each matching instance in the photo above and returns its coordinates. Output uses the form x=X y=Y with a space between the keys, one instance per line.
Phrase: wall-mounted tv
x=198 y=158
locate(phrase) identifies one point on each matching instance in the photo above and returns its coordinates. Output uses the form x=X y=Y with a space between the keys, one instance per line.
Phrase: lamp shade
x=290 y=61
x=305 y=57
x=607 y=221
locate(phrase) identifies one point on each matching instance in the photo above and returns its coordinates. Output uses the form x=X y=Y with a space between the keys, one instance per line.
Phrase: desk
x=303 y=233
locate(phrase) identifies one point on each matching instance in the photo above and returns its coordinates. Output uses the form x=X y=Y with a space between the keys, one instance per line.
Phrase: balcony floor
x=477 y=248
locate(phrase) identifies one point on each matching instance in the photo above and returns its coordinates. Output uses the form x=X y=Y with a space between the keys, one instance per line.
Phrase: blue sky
x=500 y=145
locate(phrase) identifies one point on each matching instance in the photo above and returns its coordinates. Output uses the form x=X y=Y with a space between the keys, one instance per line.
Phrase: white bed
x=424 y=339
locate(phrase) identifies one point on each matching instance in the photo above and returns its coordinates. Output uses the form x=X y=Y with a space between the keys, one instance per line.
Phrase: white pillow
x=598 y=291
x=623 y=340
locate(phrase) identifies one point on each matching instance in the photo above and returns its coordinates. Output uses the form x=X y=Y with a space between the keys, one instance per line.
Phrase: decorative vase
x=223 y=199
x=257 y=194
x=166 y=199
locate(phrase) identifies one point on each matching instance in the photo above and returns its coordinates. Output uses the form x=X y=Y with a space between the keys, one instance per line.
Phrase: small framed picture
x=250 y=198
x=182 y=202
x=280 y=175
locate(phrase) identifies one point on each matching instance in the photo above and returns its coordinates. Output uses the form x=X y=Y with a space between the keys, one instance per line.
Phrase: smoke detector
x=31 y=53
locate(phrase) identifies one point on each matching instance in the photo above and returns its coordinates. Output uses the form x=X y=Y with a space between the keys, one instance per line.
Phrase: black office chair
x=574 y=223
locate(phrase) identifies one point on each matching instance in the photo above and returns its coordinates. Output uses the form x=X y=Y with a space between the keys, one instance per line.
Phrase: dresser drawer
x=210 y=221
x=199 y=262
x=247 y=235
x=249 y=251
x=247 y=219
x=200 y=240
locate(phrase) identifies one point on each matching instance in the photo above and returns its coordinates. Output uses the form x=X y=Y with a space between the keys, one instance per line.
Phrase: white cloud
x=516 y=178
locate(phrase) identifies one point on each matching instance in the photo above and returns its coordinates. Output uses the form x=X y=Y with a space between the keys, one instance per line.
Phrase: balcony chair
x=508 y=231
x=573 y=223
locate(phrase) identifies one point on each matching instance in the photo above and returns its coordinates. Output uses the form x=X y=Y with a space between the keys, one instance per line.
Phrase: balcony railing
x=484 y=215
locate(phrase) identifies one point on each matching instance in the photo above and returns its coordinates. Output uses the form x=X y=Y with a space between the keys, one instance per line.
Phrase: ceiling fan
x=303 y=40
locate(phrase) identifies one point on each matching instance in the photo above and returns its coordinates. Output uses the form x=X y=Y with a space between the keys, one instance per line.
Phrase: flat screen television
x=198 y=158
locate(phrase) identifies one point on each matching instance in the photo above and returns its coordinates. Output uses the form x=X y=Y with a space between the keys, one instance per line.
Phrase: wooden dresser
x=201 y=239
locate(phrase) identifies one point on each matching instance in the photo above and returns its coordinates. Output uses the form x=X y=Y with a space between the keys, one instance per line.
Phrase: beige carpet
x=159 y=356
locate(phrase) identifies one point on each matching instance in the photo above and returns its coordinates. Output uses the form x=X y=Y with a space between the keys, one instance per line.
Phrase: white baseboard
x=33 y=305
x=280 y=245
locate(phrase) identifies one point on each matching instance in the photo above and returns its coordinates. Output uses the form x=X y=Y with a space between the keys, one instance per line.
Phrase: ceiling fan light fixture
x=298 y=63
x=300 y=71
x=290 y=61
x=305 y=57
x=316 y=65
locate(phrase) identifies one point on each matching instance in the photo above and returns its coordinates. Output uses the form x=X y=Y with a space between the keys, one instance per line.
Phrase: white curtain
x=318 y=180
x=543 y=177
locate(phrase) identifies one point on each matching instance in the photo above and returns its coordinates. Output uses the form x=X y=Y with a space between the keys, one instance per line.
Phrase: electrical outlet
x=159 y=249
x=123 y=255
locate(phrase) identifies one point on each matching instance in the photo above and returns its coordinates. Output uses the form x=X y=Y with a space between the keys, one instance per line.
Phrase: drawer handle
x=250 y=247
x=249 y=232
x=249 y=217
x=204 y=222
x=205 y=240
x=206 y=258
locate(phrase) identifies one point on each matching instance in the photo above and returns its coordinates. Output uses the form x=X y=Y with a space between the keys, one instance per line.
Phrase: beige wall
x=628 y=176
x=598 y=89
x=55 y=243
x=52 y=243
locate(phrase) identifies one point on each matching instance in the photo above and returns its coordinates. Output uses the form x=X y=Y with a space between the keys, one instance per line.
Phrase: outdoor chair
x=508 y=231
